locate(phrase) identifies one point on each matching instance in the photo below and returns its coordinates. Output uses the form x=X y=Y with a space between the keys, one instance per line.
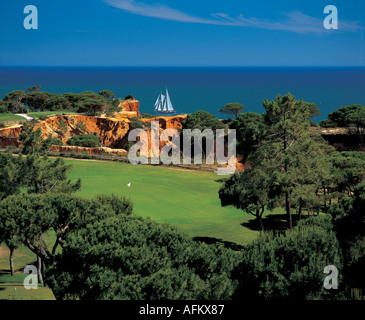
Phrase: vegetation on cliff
x=91 y=103
x=84 y=140
x=347 y=116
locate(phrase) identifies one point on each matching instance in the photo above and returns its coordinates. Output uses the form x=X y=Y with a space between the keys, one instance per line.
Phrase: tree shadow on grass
x=211 y=240
x=4 y=272
x=275 y=222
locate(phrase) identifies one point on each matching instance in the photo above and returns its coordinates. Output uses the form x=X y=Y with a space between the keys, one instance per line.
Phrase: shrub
x=52 y=142
x=81 y=126
x=128 y=145
x=84 y=140
x=136 y=123
x=327 y=124
x=324 y=221
x=147 y=116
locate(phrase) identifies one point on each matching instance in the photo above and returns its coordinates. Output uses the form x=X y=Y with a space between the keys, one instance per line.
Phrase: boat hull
x=166 y=112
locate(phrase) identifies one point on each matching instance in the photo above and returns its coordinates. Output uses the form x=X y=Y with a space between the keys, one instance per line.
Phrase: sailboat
x=163 y=103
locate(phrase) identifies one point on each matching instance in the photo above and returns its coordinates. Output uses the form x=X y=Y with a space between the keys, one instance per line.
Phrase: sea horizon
x=194 y=88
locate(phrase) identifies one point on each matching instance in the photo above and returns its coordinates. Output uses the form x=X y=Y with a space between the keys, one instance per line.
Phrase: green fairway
x=46 y=113
x=10 y=117
x=186 y=199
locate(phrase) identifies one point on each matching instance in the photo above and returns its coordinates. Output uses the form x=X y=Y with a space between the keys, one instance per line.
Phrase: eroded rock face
x=130 y=106
x=9 y=136
x=112 y=132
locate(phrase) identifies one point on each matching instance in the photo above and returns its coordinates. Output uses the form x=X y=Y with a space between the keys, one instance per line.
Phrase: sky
x=182 y=33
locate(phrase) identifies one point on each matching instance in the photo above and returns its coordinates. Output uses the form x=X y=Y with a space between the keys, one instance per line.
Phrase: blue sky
x=182 y=33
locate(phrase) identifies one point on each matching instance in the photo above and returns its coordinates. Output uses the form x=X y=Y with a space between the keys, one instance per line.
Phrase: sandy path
x=24 y=116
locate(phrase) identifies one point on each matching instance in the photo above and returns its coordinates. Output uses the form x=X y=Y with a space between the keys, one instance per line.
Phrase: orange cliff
x=112 y=132
x=9 y=136
x=130 y=106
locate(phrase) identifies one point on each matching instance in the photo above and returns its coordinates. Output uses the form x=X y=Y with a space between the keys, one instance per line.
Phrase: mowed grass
x=186 y=199
x=46 y=113
x=10 y=117
x=12 y=288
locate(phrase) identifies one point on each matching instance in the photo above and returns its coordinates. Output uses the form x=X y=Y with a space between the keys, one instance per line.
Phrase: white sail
x=164 y=107
x=162 y=103
x=169 y=104
x=157 y=102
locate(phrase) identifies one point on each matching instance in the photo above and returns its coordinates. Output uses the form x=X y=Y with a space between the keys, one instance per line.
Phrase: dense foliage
x=346 y=116
x=289 y=265
x=33 y=99
x=84 y=140
x=127 y=257
x=250 y=129
x=202 y=120
x=349 y=220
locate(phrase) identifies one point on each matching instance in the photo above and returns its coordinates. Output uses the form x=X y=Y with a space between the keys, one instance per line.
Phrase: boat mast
x=170 y=108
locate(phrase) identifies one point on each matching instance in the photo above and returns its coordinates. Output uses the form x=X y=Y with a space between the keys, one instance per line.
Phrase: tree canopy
x=289 y=265
x=128 y=257
x=346 y=116
x=202 y=120
x=250 y=129
x=232 y=109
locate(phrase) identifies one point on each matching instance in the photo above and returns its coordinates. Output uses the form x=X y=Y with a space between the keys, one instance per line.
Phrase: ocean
x=193 y=88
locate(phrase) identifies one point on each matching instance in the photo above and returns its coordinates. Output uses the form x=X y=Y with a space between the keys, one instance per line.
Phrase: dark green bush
x=327 y=124
x=147 y=116
x=289 y=265
x=84 y=140
x=127 y=257
x=52 y=142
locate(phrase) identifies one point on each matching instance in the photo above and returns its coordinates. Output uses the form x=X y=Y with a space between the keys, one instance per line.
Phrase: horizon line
x=178 y=66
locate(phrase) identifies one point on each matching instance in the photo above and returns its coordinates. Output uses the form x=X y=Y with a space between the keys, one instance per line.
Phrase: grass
x=10 y=117
x=4 y=117
x=46 y=113
x=186 y=199
x=12 y=288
